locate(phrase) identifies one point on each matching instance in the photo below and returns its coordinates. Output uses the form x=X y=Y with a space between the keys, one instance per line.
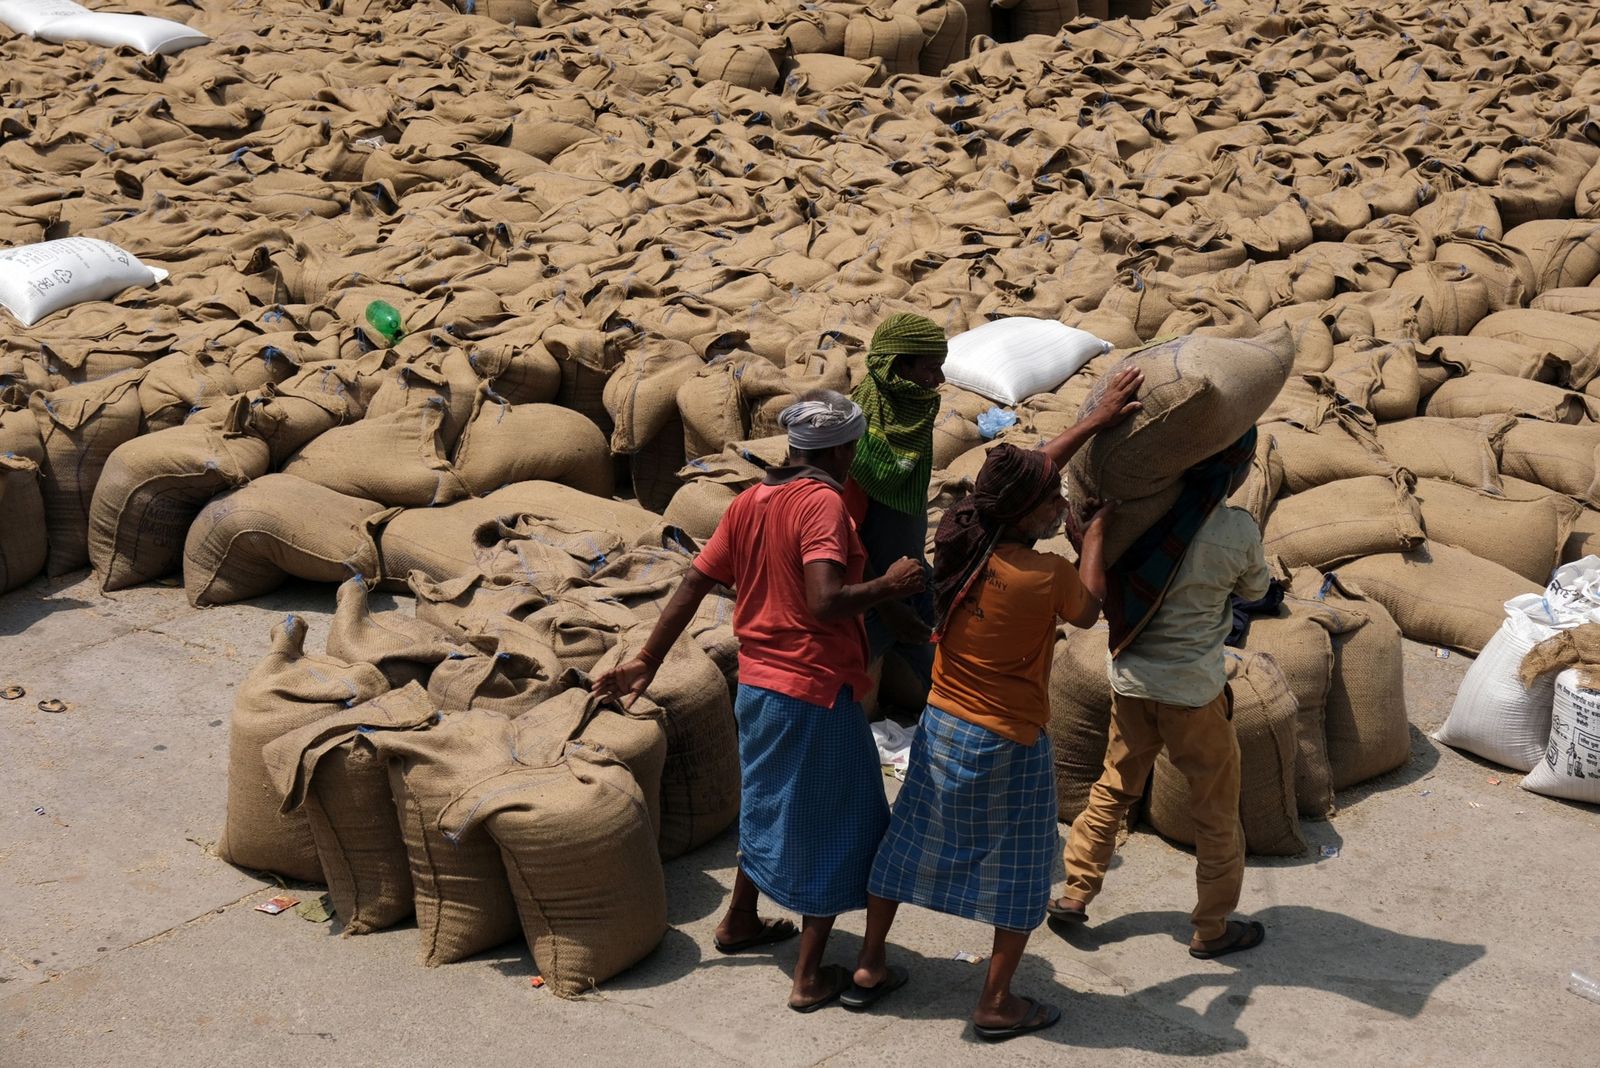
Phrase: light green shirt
x=1177 y=658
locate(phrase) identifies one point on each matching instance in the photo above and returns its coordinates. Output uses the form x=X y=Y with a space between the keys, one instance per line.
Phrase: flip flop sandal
x=1066 y=915
x=842 y=984
x=1050 y=1017
x=860 y=998
x=12 y=693
x=52 y=705
x=1246 y=935
x=772 y=932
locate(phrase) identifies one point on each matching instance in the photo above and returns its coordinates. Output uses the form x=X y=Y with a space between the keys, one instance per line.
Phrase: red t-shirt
x=760 y=548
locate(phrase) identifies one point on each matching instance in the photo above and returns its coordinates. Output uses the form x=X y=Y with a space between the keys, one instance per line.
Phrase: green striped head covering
x=894 y=461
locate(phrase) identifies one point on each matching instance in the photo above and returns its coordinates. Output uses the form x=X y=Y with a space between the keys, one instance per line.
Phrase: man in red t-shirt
x=812 y=809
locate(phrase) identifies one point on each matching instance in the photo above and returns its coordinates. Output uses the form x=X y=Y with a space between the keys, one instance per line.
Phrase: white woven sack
x=1494 y=716
x=36 y=280
x=28 y=16
x=152 y=36
x=1008 y=360
x=1571 y=765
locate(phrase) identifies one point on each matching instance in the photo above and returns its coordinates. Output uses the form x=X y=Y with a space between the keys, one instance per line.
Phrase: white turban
x=822 y=421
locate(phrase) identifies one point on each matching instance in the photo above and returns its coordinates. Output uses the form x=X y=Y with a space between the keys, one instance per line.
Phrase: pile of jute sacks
x=620 y=242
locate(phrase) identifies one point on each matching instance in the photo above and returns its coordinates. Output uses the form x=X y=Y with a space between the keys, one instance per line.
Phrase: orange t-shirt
x=992 y=667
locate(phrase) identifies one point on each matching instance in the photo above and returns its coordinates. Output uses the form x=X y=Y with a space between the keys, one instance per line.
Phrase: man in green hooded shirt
x=887 y=493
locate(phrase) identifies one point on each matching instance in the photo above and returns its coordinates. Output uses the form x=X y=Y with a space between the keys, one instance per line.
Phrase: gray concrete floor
x=1442 y=932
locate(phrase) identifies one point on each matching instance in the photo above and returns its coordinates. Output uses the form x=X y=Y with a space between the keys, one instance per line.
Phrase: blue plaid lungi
x=974 y=829
x=812 y=810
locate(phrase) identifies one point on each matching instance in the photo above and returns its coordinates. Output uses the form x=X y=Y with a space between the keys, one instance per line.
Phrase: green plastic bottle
x=386 y=321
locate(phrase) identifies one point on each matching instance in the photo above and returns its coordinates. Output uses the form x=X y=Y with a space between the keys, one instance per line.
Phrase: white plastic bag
x=28 y=16
x=151 y=36
x=1494 y=716
x=1571 y=764
x=36 y=280
x=1010 y=359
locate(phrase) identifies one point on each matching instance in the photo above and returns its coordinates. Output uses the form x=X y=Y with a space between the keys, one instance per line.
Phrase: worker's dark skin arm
x=1091 y=566
x=1115 y=405
x=632 y=678
x=829 y=598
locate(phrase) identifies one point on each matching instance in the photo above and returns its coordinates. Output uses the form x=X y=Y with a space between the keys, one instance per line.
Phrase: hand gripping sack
x=331 y=773
x=1008 y=360
x=38 y=280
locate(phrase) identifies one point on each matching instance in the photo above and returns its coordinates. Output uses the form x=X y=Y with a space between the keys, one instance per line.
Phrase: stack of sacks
x=451 y=765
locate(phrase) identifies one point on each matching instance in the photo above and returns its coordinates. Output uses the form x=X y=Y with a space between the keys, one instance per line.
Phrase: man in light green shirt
x=1170 y=691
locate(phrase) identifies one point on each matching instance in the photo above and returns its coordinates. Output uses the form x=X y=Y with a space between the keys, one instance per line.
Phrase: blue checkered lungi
x=812 y=810
x=974 y=829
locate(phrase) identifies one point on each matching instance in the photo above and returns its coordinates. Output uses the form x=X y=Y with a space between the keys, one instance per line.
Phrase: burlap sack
x=1584 y=537
x=1380 y=377
x=462 y=897
x=1299 y=640
x=175 y=385
x=700 y=782
x=823 y=72
x=698 y=506
x=80 y=427
x=1080 y=716
x=1341 y=448
x=1482 y=355
x=945 y=32
x=1264 y=715
x=1493 y=394
x=1506 y=271
x=1457 y=299
x=445 y=382
x=642 y=394
x=507 y=670
x=1564 y=252
x=1367 y=730
x=745 y=60
x=1470 y=210
x=1265 y=481
x=287 y=691
x=397 y=459
x=1522 y=536
x=22 y=523
x=451 y=542
x=1200 y=395
x=1562 y=458
x=1438 y=594
x=1583 y=301
x=404 y=648
x=328 y=773
x=507 y=443
x=1570 y=338
x=1460 y=451
x=248 y=542
x=153 y=487
x=576 y=837
x=891 y=36
x=1343 y=520
x=636 y=736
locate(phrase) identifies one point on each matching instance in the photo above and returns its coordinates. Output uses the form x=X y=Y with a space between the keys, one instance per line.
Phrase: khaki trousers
x=1201 y=744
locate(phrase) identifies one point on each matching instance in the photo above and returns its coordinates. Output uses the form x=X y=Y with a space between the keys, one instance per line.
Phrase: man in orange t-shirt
x=973 y=832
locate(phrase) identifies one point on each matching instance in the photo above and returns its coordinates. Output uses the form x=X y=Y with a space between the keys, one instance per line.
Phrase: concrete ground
x=1442 y=932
